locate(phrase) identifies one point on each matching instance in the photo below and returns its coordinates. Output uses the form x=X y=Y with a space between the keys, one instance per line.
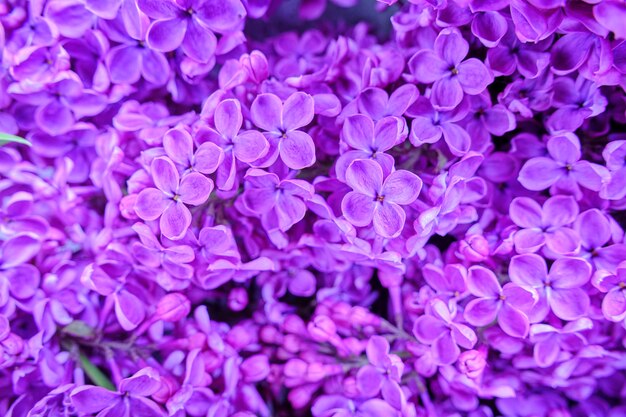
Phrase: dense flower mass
x=392 y=208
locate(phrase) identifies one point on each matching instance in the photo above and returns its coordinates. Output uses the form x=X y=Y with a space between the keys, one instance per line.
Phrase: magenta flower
x=190 y=24
x=384 y=368
x=178 y=146
x=279 y=203
x=614 y=285
x=595 y=230
x=551 y=341
x=444 y=335
x=575 y=101
x=429 y=125
x=545 y=225
x=168 y=200
x=377 y=104
x=281 y=121
x=507 y=304
x=373 y=200
x=563 y=171
x=130 y=400
x=559 y=290
x=444 y=66
x=244 y=146
x=368 y=141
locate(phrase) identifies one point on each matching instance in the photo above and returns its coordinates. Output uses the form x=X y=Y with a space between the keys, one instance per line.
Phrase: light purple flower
x=551 y=341
x=560 y=290
x=373 y=200
x=190 y=24
x=575 y=101
x=238 y=145
x=130 y=400
x=444 y=66
x=562 y=170
x=614 y=285
x=507 y=304
x=594 y=229
x=444 y=335
x=168 y=200
x=547 y=225
x=178 y=146
x=384 y=368
x=281 y=122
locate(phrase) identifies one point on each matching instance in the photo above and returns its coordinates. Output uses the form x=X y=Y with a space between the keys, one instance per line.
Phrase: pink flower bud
x=322 y=329
x=294 y=371
x=237 y=299
x=294 y=324
x=255 y=368
x=256 y=66
x=472 y=363
x=474 y=248
x=173 y=307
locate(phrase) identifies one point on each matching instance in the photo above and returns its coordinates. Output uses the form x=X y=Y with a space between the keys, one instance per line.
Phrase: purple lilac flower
x=444 y=67
x=281 y=121
x=560 y=290
x=377 y=200
x=545 y=225
x=168 y=201
x=507 y=303
x=614 y=285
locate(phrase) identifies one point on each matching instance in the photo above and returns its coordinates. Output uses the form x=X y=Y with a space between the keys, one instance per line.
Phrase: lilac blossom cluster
x=220 y=209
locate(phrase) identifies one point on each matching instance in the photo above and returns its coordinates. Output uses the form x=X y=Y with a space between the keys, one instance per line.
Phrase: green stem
x=95 y=374
x=8 y=138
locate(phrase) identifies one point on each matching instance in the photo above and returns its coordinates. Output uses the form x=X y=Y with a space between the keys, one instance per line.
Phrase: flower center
x=454 y=71
x=380 y=198
x=622 y=285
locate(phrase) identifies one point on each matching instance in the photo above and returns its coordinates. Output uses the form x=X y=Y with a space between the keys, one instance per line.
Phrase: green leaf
x=95 y=374
x=79 y=328
x=7 y=138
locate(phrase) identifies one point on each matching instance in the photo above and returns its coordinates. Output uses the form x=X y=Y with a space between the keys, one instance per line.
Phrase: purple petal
x=266 y=112
x=124 y=64
x=199 y=42
x=427 y=67
x=570 y=273
x=559 y=211
x=358 y=208
x=195 y=189
x=228 y=118
x=482 y=282
x=297 y=150
x=447 y=93
x=529 y=240
x=222 y=15
x=525 y=212
x=401 y=187
x=569 y=303
x=175 y=221
x=144 y=383
x=166 y=35
x=165 y=175
x=445 y=350
x=373 y=102
x=159 y=9
x=129 y=310
x=19 y=249
x=358 y=132
x=250 y=146
x=540 y=173
x=457 y=138
x=528 y=269
x=154 y=67
x=54 y=118
x=481 y=311
x=151 y=203
x=427 y=328
x=424 y=131
x=377 y=351
x=611 y=15
x=90 y=399
x=489 y=27
x=208 y=157
x=473 y=76
x=365 y=176
x=570 y=52
x=388 y=219
x=289 y=211
x=614 y=305
x=513 y=322
x=298 y=111
x=451 y=47
x=369 y=381
x=563 y=241
x=178 y=145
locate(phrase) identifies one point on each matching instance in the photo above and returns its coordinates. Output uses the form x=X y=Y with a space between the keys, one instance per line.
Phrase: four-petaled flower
x=376 y=201
x=167 y=201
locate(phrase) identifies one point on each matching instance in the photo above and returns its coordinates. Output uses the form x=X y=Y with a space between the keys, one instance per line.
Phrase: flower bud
x=237 y=299
x=173 y=307
x=322 y=329
x=256 y=66
x=472 y=363
x=255 y=368
x=474 y=248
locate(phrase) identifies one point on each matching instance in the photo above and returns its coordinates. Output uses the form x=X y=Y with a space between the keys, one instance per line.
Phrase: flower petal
x=358 y=208
x=568 y=303
x=388 y=219
x=365 y=176
x=195 y=189
x=165 y=175
x=151 y=203
x=175 y=221
x=166 y=35
x=482 y=282
x=401 y=187
x=297 y=150
x=298 y=111
x=266 y=112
